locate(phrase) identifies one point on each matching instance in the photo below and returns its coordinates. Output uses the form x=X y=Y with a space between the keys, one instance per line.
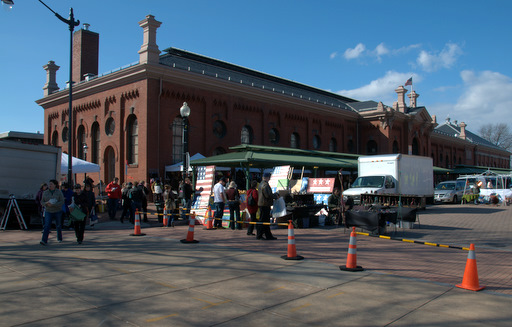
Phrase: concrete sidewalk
x=232 y=279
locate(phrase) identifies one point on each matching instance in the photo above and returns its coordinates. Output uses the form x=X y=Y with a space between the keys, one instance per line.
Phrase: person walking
x=39 y=196
x=252 y=205
x=136 y=194
x=233 y=201
x=127 y=202
x=114 y=196
x=157 y=190
x=219 y=200
x=145 y=193
x=265 y=201
x=185 y=194
x=67 y=191
x=80 y=201
x=170 y=204
x=91 y=202
x=52 y=201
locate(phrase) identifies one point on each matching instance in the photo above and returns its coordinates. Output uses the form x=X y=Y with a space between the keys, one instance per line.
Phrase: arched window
x=55 y=138
x=132 y=140
x=273 y=136
x=80 y=140
x=95 y=143
x=219 y=129
x=333 y=145
x=395 y=147
x=247 y=135
x=65 y=132
x=295 y=141
x=350 y=146
x=110 y=126
x=317 y=142
x=447 y=162
x=177 y=140
x=371 y=147
x=415 y=147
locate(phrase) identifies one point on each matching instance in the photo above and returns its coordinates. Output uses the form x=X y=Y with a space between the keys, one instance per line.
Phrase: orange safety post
x=166 y=219
x=209 y=219
x=190 y=233
x=292 y=251
x=352 y=254
x=470 y=279
x=136 y=229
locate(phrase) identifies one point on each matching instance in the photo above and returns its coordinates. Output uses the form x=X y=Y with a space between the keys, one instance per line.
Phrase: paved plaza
x=232 y=279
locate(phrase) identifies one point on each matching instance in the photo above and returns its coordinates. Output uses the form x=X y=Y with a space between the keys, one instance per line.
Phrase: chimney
x=51 y=73
x=413 y=96
x=85 y=53
x=149 y=52
x=462 y=130
x=401 y=98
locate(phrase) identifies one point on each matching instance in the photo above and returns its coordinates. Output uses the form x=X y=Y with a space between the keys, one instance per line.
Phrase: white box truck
x=23 y=168
x=411 y=178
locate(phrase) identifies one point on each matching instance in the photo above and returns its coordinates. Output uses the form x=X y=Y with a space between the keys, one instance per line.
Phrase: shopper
x=52 y=201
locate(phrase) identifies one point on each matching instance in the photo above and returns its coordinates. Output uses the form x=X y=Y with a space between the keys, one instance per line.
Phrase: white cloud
x=333 y=55
x=355 y=52
x=381 y=89
x=430 y=62
x=486 y=98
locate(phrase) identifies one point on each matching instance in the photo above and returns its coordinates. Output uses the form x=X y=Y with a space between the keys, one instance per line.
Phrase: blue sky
x=456 y=51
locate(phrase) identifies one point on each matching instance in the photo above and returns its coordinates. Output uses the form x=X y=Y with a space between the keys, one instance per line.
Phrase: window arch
x=395 y=147
x=95 y=143
x=247 y=135
x=295 y=141
x=132 y=140
x=350 y=146
x=55 y=138
x=177 y=139
x=415 y=147
x=65 y=132
x=273 y=136
x=333 y=145
x=317 y=142
x=80 y=140
x=371 y=147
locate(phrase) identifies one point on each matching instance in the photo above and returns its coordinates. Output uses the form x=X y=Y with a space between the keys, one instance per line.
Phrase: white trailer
x=410 y=178
x=23 y=168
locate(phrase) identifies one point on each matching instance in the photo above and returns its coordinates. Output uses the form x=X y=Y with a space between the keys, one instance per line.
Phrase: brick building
x=130 y=120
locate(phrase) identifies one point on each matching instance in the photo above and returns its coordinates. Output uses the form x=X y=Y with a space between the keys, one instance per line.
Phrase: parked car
x=449 y=191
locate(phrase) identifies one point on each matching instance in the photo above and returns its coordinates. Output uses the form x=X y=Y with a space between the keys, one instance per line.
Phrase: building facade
x=130 y=120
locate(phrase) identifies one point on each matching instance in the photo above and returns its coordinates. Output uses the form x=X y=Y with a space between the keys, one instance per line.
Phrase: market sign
x=320 y=185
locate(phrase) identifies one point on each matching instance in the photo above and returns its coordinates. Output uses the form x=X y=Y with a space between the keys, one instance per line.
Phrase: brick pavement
x=489 y=228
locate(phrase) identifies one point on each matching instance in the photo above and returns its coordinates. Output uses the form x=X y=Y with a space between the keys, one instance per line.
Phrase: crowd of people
x=77 y=203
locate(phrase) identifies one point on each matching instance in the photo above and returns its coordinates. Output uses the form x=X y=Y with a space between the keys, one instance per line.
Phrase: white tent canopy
x=179 y=166
x=79 y=166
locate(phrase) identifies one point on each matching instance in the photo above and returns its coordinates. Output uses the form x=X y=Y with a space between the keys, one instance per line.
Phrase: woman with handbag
x=78 y=212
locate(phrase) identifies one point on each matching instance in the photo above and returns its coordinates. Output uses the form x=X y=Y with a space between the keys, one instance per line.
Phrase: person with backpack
x=252 y=205
x=136 y=194
x=185 y=195
x=233 y=202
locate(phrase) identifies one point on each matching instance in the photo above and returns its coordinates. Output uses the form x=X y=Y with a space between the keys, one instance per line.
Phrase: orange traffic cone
x=352 y=255
x=470 y=279
x=166 y=219
x=292 y=251
x=190 y=233
x=209 y=219
x=136 y=229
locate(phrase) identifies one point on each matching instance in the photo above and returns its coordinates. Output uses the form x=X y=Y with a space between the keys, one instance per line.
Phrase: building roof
x=453 y=129
x=181 y=59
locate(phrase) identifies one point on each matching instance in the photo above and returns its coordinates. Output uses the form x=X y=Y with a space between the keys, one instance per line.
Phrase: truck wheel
x=455 y=200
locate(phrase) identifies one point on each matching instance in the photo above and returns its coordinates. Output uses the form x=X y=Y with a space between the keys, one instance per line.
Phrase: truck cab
x=378 y=184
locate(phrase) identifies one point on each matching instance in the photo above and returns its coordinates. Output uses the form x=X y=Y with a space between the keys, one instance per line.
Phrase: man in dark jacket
x=265 y=201
x=136 y=195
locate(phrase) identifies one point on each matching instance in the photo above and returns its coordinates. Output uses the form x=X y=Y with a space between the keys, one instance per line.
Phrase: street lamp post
x=85 y=148
x=71 y=22
x=185 y=112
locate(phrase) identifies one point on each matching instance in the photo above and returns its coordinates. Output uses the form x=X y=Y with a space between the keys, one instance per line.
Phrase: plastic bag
x=279 y=208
